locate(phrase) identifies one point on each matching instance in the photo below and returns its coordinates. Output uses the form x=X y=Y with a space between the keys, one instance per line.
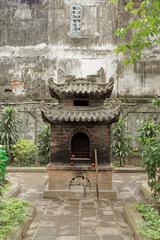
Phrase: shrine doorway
x=80 y=147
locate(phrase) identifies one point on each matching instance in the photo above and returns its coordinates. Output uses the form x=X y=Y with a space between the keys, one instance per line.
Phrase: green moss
x=12 y=213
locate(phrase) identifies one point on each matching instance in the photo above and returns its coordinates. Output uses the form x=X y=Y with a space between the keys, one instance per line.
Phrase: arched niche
x=80 y=146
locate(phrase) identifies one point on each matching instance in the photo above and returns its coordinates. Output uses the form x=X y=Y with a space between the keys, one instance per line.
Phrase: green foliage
x=156 y=102
x=44 y=144
x=9 y=128
x=151 y=161
x=121 y=147
x=147 y=130
x=3 y=165
x=12 y=213
x=145 y=27
x=151 y=227
x=150 y=143
x=24 y=152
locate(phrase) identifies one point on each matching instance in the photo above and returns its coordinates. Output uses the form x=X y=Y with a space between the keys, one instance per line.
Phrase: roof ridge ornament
x=92 y=85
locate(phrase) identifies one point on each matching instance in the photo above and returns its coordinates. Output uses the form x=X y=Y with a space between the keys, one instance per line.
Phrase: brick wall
x=61 y=136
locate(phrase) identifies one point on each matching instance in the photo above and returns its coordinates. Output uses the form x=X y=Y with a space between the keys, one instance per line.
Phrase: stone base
x=77 y=182
x=110 y=194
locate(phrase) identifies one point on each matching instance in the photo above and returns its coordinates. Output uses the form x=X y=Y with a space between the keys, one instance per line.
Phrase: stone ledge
x=27 y=169
x=19 y=232
x=44 y=169
x=129 y=170
x=146 y=191
x=78 y=168
x=134 y=221
x=13 y=190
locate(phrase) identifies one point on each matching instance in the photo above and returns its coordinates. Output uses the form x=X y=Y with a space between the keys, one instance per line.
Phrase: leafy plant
x=156 y=102
x=147 y=130
x=9 y=128
x=3 y=165
x=151 y=226
x=24 y=152
x=151 y=161
x=144 y=24
x=121 y=147
x=12 y=213
x=44 y=144
x=150 y=144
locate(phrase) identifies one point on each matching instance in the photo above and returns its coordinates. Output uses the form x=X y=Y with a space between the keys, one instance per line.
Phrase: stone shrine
x=80 y=123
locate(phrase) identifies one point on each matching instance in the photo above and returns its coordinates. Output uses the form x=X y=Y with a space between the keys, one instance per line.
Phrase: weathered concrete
x=22 y=23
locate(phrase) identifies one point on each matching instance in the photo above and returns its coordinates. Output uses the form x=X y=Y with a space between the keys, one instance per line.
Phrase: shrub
x=150 y=144
x=9 y=128
x=151 y=227
x=44 y=144
x=151 y=162
x=147 y=130
x=3 y=165
x=24 y=152
x=121 y=147
x=12 y=213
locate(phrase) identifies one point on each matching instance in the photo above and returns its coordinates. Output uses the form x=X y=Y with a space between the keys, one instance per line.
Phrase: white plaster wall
x=78 y=62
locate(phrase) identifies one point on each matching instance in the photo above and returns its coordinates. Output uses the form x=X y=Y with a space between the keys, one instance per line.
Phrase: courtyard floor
x=86 y=219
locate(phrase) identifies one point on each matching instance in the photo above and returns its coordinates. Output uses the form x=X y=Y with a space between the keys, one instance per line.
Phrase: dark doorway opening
x=80 y=147
x=81 y=103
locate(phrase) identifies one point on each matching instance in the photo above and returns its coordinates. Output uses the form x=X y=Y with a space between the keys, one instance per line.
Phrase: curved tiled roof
x=108 y=113
x=81 y=86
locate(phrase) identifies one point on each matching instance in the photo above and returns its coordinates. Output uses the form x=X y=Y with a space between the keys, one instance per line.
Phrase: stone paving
x=86 y=219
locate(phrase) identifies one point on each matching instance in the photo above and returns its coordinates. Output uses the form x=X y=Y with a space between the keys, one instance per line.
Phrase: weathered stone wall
x=23 y=22
x=35 y=42
x=141 y=79
x=29 y=115
x=97 y=23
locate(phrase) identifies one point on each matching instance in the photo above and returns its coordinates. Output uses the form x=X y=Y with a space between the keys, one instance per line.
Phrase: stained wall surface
x=37 y=41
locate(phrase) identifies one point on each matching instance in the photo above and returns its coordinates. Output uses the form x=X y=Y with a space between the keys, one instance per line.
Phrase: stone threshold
x=19 y=232
x=134 y=220
x=44 y=169
x=72 y=195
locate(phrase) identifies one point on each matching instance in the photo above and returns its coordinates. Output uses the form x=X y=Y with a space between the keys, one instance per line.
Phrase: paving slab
x=86 y=219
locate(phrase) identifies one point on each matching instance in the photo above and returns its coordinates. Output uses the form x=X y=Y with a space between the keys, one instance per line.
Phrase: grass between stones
x=12 y=213
x=151 y=227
